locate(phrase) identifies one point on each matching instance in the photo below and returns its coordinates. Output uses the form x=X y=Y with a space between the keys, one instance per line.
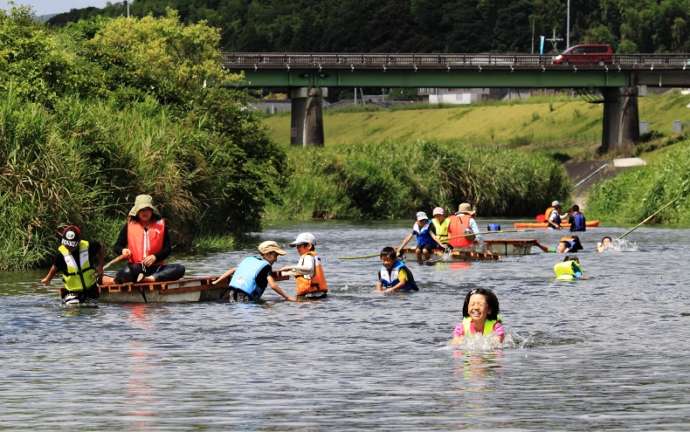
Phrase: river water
x=610 y=352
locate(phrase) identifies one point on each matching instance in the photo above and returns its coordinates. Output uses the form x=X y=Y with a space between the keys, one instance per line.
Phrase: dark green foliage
x=423 y=25
x=102 y=111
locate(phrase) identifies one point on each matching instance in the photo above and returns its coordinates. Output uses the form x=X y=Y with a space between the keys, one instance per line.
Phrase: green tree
x=158 y=56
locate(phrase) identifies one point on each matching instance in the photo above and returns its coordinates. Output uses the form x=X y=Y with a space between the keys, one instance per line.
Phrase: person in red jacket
x=145 y=242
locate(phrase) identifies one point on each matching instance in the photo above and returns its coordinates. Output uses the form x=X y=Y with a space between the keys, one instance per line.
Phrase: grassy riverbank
x=633 y=195
x=566 y=126
x=505 y=157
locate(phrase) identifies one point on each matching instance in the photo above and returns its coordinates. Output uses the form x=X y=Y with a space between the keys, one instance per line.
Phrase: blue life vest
x=244 y=278
x=579 y=223
x=389 y=278
x=423 y=235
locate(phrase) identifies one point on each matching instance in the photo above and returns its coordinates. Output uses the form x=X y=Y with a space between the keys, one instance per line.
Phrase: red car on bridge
x=586 y=54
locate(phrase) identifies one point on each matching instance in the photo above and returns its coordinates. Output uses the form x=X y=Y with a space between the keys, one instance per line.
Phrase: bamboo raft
x=185 y=290
x=504 y=247
x=458 y=255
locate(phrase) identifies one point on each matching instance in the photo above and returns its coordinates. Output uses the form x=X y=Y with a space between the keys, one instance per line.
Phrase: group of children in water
x=144 y=242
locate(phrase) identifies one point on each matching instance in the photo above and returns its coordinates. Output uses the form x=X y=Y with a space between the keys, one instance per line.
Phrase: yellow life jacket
x=441 y=229
x=80 y=275
x=310 y=284
x=488 y=326
x=567 y=270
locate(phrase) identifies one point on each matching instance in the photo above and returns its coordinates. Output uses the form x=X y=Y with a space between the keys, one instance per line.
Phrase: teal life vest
x=389 y=278
x=244 y=278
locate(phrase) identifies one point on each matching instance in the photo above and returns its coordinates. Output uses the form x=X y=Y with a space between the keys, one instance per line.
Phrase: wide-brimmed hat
x=438 y=211
x=555 y=204
x=466 y=208
x=422 y=216
x=304 y=238
x=142 y=202
x=270 y=246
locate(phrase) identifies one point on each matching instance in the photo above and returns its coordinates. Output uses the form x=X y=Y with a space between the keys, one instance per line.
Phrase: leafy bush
x=395 y=180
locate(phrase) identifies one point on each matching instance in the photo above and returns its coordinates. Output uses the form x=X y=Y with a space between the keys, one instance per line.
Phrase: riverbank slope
x=507 y=157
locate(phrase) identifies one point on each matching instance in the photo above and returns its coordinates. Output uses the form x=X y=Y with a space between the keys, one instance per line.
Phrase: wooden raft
x=460 y=255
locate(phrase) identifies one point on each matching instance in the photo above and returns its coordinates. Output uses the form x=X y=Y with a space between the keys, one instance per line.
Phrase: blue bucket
x=494 y=227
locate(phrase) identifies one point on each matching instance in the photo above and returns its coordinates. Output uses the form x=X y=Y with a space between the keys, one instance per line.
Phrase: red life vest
x=316 y=283
x=144 y=242
x=459 y=226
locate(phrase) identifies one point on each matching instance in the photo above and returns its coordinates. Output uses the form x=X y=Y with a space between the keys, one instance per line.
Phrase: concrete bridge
x=306 y=76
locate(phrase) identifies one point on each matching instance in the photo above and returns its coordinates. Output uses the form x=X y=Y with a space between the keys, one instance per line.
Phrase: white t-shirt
x=307 y=264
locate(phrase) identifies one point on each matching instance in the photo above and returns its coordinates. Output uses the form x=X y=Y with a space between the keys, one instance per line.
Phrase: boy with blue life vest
x=394 y=275
x=577 y=220
x=569 y=269
x=425 y=233
x=569 y=244
x=310 y=279
x=251 y=277
x=480 y=317
x=81 y=264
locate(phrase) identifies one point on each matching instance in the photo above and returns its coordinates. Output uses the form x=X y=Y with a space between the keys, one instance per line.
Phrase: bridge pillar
x=621 y=120
x=306 y=123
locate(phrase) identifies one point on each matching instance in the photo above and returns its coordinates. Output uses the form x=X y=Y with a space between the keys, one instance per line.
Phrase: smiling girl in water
x=480 y=317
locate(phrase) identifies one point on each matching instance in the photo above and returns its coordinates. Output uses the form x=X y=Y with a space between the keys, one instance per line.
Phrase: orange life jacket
x=314 y=284
x=144 y=242
x=547 y=213
x=459 y=226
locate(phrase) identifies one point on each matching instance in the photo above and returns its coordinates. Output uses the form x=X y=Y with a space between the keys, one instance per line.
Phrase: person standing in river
x=577 y=220
x=81 y=264
x=251 y=277
x=145 y=241
x=463 y=231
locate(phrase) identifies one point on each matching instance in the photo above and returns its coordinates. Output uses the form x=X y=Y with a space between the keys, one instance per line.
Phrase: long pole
x=567 y=29
x=648 y=218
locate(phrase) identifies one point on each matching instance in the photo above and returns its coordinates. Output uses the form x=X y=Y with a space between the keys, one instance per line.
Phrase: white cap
x=421 y=216
x=304 y=238
x=555 y=204
x=438 y=211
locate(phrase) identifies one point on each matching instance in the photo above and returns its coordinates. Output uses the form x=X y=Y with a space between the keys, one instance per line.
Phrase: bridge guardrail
x=439 y=61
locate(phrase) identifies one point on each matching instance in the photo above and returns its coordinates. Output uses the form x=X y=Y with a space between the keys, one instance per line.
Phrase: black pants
x=165 y=272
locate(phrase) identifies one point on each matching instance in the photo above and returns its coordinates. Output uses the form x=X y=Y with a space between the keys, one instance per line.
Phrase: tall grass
x=633 y=195
x=390 y=180
x=84 y=162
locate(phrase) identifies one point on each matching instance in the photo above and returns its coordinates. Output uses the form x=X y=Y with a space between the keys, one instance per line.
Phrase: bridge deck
x=332 y=61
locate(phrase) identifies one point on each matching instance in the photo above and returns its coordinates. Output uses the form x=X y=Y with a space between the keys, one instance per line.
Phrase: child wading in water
x=604 y=244
x=394 y=275
x=309 y=276
x=569 y=269
x=479 y=317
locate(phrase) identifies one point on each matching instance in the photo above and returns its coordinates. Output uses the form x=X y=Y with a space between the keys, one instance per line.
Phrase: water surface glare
x=608 y=353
